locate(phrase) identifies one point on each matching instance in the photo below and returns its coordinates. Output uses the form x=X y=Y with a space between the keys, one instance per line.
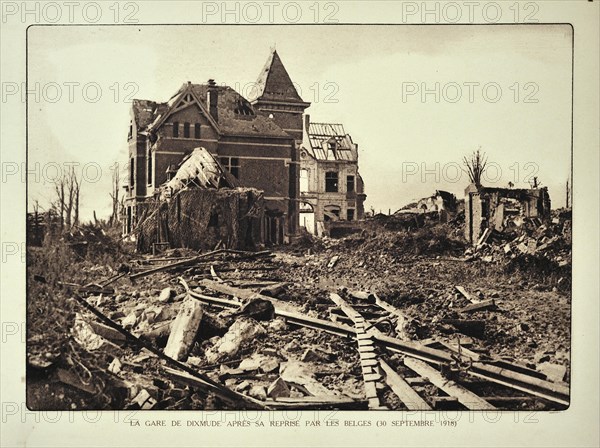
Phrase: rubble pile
x=543 y=250
x=230 y=329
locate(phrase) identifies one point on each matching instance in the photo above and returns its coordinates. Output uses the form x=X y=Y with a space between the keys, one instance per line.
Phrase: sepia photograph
x=307 y=217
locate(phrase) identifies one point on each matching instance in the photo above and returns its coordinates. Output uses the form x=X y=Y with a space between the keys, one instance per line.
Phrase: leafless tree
x=59 y=204
x=475 y=166
x=67 y=189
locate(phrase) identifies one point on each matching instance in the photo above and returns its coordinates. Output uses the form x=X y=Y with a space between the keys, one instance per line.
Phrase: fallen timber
x=407 y=395
x=202 y=380
x=467 y=398
x=192 y=260
x=552 y=392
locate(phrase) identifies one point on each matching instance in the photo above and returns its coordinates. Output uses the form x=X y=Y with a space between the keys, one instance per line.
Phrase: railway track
x=452 y=367
x=421 y=375
x=460 y=373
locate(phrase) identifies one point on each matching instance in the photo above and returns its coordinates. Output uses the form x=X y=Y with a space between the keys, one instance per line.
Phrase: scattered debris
x=261 y=324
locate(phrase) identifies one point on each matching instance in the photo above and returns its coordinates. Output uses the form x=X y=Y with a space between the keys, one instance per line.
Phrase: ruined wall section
x=200 y=219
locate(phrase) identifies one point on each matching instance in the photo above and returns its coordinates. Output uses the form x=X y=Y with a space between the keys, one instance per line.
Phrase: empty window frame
x=331 y=182
x=197 y=131
x=350 y=184
x=350 y=214
x=176 y=129
x=186 y=130
x=231 y=164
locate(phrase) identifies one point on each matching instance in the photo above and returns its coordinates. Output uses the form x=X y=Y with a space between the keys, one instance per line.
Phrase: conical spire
x=274 y=82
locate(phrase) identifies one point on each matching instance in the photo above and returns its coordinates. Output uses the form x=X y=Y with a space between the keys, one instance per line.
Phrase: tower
x=277 y=97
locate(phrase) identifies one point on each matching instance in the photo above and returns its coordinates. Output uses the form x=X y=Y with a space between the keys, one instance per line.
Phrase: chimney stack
x=306 y=122
x=212 y=99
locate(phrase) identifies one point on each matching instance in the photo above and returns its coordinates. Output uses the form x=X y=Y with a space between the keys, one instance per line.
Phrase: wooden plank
x=368 y=370
x=480 y=306
x=467 y=398
x=371 y=391
x=407 y=395
x=372 y=377
x=192 y=260
x=368 y=362
x=467 y=296
x=240 y=293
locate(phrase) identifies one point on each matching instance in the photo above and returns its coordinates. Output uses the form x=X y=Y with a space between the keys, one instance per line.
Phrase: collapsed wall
x=503 y=208
x=201 y=219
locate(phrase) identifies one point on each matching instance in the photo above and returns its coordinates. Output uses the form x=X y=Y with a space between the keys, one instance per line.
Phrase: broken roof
x=200 y=169
x=329 y=141
x=236 y=116
x=274 y=82
x=145 y=112
x=507 y=192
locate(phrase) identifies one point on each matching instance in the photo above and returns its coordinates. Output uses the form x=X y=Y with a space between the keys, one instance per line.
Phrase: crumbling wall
x=201 y=219
x=501 y=208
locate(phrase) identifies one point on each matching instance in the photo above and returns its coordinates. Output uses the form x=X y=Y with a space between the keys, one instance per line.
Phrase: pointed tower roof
x=274 y=82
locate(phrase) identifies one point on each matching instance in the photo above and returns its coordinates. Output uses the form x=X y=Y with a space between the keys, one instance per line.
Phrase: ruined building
x=502 y=208
x=331 y=188
x=443 y=202
x=258 y=141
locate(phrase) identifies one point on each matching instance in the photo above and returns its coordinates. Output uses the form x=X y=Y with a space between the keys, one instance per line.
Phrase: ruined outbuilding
x=200 y=208
x=503 y=208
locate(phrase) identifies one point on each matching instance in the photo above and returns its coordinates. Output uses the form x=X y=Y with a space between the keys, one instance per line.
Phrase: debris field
x=381 y=319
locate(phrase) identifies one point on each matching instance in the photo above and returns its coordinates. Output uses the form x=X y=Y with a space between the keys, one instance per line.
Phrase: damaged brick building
x=331 y=189
x=258 y=141
x=255 y=142
x=502 y=208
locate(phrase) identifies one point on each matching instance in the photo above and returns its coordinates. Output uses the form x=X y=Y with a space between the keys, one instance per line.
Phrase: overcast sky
x=506 y=89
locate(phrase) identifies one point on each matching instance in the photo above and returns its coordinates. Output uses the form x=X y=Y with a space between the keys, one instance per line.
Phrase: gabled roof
x=329 y=141
x=236 y=116
x=274 y=82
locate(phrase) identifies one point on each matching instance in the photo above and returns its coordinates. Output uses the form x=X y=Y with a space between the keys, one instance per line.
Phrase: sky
x=416 y=99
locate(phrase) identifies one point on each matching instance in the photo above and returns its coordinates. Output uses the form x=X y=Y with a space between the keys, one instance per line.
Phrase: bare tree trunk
x=59 y=187
x=77 y=186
